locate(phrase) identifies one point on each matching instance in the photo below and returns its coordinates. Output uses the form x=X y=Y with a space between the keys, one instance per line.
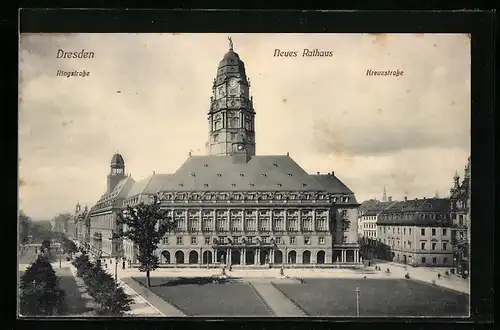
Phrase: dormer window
x=279 y=184
x=233 y=185
x=275 y=165
x=205 y=165
x=193 y=174
x=181 y=184
x=242 y=175
x=289 y=174
x=219 y=175
x=251 y=185
x=264 y=174
x=304 y=185
x=205 y=184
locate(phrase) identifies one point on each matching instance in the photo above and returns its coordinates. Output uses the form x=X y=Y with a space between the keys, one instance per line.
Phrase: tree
x=69 y=246
x=25 y=224
x=109 y=297
x=145 y=225
x=40 y=292
x=46 y=245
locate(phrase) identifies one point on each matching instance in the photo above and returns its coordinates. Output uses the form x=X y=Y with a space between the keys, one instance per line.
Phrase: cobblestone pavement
x=428 y=275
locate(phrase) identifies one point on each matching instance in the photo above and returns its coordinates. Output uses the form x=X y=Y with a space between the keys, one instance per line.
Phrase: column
x=343 y=255
x=271 y=257
x=257 y=256
x=356 y=255
x=214 y=256
x=314 y=220
x=243 y=256
x=228 y=251
x=200 y=219
x=200 y=257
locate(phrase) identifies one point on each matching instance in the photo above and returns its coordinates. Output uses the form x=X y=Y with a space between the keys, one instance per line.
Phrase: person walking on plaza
x=439 y=276
x=123 y=264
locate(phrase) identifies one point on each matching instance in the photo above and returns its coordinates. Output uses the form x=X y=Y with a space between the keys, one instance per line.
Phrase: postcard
x=244 y=175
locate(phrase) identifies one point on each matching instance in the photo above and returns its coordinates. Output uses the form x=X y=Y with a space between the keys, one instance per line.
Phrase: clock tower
x=231 y=117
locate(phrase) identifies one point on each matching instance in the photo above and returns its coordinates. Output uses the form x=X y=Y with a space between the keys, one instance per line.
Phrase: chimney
x=406 y=199
x=153 y=172
x=389 y=198
x=333 y=173
x=317 y=173
x=287 y=153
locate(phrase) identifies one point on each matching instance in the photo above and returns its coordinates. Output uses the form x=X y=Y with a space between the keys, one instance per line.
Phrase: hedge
x=40 y=293
x=109 y=296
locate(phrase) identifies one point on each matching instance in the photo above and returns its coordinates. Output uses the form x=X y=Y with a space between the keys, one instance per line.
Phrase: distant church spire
x=384 y=196
x=230 y=43
x=437 y=194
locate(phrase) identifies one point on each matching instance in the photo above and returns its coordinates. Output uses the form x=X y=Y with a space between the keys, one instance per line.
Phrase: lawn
x=377 y=298
x=202 y=298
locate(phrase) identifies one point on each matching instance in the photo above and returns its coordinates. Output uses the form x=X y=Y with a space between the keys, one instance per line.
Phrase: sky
x=147 y=97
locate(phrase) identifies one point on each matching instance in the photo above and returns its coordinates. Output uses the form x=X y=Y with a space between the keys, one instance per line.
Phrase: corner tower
x=117 y=172
x=231 y=117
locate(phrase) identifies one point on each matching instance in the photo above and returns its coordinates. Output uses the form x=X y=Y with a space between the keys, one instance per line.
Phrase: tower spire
x=230 y=43
x=384 y=196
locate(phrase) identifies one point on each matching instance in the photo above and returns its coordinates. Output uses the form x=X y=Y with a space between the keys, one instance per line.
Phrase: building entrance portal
x=235 y=257
x=250 y=257
x=264 y=257
x=221 y=256
x=278 y=257
x=207 y=257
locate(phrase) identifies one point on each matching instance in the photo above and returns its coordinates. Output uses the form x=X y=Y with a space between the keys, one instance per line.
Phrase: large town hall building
x=232 y=206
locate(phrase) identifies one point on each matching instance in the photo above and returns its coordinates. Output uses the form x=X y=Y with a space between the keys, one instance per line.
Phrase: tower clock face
x=232 y=83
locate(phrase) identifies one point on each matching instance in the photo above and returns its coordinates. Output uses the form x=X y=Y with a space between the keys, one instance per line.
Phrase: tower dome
x=117 y=160
x=230 y=66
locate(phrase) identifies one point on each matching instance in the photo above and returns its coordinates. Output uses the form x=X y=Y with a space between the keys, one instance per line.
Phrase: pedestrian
x=439 y=276
x=446 y=273
x=123 y=264
x=111 y=261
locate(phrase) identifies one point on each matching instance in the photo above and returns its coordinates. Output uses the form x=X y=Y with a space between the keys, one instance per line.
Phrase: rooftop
x=260 y=173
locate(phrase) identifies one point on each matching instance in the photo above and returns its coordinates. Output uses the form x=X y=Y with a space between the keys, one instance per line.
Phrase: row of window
x=434 y=260
x=251 y=196
x=370 y=225
x=250 y=224
x=444 y=231
x=238 y=240
x=408 y=244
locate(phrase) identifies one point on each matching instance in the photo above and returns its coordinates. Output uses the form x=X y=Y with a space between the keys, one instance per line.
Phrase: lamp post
x=357 y=301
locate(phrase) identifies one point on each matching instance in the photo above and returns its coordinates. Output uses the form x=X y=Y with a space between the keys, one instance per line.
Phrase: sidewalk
x=428 y=275
x=140 y=306
x=279 y=304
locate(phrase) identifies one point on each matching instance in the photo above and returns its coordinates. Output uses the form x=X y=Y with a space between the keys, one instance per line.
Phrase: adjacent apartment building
x=418 y=231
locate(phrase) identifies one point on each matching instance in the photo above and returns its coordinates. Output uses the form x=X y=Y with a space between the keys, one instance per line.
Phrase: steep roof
x=119 y=191
x=149 y=185
x=331 y=183
x=222 y=173
x=373 y=207
x=417 y=212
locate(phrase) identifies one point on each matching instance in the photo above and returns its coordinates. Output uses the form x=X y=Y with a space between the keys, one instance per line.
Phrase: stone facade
x=460 y=216
x=418 y=232
x=235 y=207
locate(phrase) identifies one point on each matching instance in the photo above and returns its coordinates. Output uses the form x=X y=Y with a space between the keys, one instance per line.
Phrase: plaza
x=184 y=292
